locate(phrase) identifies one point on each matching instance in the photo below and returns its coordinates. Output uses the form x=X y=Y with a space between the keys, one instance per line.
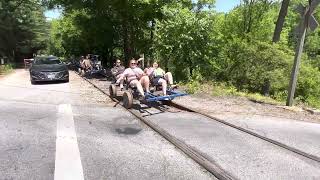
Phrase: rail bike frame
x=131 y=93
x=150 y=97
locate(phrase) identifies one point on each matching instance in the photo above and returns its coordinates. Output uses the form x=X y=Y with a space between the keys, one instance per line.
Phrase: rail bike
x=130 y=93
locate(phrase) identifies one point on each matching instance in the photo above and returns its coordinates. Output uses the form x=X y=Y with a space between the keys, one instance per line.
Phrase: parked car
x=48 y=68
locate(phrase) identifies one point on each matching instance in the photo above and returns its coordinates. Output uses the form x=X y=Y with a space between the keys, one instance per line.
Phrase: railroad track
x=193 y=153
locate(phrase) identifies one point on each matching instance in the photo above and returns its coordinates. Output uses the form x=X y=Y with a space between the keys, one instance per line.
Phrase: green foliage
x=4 y=69
x=219 y=89
x=196 y=43
x=186 y=41
x=23 y=28
x=308 y=89
x=55 y=42
x=107 y=25
x=249 y=65
x=193 y=87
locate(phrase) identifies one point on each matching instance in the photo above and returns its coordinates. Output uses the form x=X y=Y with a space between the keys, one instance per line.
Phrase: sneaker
x=152 y=89
x=173 y=86
x=142 y=99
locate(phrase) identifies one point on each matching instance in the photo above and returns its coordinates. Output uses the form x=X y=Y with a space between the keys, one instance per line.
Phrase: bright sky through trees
x=226 y=5
x=53 y=14
x=221 y=6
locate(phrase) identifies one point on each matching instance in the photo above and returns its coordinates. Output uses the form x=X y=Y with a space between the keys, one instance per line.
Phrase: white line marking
x=68 y=163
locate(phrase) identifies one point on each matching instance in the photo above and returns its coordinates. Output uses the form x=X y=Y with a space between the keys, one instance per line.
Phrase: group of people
x=85 y=64
x=140 y=79
x=88 y=63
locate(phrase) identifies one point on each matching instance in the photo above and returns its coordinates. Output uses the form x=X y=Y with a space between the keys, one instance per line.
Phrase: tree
x=280 y=21
x=23 y=28
x=192 y=40
x=185 y=40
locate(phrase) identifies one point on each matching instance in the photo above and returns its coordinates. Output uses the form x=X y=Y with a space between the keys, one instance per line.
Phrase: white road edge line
x=67 y=163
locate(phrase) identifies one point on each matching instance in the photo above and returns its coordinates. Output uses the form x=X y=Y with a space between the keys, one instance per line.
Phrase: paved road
x=240 y=154
x=301 y=135
x=55 y=131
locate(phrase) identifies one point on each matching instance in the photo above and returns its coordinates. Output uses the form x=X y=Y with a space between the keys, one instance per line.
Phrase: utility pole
x=308 y=21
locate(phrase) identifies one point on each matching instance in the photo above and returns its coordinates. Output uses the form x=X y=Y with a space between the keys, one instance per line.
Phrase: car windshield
x=47 y=61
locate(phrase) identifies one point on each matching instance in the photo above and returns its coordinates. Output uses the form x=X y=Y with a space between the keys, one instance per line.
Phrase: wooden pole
x=297 y=58
x=295 y=69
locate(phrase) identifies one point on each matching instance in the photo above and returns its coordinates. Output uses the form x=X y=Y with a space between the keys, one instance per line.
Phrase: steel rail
x=203 y=160
x=280 y=144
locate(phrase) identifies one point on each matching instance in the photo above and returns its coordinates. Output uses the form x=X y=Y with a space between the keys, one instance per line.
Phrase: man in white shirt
x=136 y=77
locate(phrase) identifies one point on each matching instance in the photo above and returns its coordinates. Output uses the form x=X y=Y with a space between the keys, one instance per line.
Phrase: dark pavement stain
x=128 y=130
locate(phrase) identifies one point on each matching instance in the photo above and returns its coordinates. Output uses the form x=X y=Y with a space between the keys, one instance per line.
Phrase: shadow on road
x=49 y=82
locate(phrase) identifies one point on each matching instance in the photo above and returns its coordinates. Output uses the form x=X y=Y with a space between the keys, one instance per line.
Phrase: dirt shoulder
x=86 y=93
x=220 y=106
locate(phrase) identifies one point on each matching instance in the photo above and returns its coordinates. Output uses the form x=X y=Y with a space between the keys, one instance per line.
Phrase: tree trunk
x=153 y=24
x=280 y=21
x=166 y=68
x=266 y=87
x=127 y=50
x=126 y=42
x=276 y=38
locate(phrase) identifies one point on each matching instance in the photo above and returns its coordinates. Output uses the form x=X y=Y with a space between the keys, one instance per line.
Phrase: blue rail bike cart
x=131 y=93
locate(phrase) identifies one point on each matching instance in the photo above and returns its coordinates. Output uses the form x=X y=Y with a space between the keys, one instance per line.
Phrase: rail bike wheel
x=127 y=99
x=113 y=90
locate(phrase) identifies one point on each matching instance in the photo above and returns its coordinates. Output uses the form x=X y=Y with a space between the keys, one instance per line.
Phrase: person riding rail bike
x=160 y=77
x=136 y=78
x=86 y=65
x=116 y=71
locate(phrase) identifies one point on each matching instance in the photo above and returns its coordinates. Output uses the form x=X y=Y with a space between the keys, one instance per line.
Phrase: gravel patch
x=88 y=94
x=219 y=106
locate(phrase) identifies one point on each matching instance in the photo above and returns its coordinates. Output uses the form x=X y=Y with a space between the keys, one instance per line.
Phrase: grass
x=5 y=69
x=222 y=90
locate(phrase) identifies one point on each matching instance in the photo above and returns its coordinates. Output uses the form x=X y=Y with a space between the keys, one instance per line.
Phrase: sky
x=53 y=14
x=221 y=6
x=226 y=5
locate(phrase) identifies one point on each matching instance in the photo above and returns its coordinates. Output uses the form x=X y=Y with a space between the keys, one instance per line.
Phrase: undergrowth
x=4 y=69
x=222 y=89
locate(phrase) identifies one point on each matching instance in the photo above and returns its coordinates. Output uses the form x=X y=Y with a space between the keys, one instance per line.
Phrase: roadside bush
x=193 y=86
x=222 y=89
x=249 y=66
x=5 y=68
x=308 y=88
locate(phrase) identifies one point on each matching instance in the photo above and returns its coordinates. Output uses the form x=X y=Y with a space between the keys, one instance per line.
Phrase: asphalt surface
x=304 y=136
x=240 y=154
x=244 y=156
x=51 y=131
